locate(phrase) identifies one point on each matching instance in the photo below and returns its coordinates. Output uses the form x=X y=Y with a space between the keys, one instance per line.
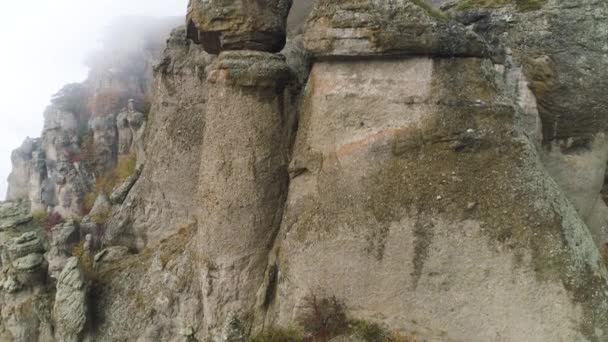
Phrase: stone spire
x=243 y=177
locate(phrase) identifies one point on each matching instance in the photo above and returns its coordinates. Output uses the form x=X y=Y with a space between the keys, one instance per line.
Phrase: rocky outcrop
x=120 y=193
x=26 y=260
x=422 y=205
x=163 y=198
x=547 y=38
x=238 y=25
x=70 y=309
x=25 y=312
x=27 y=179
x=392 y=163
x=64 y=237
x=385 y=28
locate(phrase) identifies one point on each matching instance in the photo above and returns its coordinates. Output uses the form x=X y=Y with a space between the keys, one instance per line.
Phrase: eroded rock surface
x=385 y=28
x=243 y=178
x=70 y=309
x=221 y=25
x=421 y=171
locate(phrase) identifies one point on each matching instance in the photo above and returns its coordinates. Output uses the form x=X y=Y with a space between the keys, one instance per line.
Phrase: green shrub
x=369 y=331
x=47 y=220
x=278 y=335
x=85 y=258
x=40 y=217
x=123 y=169
x=522 y=5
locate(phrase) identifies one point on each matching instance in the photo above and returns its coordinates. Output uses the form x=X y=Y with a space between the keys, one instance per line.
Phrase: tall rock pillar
x=243 y=177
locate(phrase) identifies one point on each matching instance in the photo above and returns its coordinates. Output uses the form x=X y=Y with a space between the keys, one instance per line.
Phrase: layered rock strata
x=385 y=28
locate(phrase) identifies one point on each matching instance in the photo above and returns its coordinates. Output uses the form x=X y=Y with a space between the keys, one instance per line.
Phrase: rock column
x=243 y=177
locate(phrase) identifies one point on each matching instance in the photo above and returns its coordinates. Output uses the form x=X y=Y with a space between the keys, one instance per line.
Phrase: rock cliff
x=356 y=171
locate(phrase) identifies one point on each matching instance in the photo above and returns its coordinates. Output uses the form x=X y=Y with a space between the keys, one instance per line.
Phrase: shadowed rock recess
x=356 y=170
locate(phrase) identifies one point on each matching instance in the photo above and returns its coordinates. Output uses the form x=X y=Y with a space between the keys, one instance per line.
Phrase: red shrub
x=74 y=157
x=52 y=220
x=323 y=318
x=107 y=102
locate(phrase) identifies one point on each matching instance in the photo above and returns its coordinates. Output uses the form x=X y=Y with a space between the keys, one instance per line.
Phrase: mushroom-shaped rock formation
x=238 y=25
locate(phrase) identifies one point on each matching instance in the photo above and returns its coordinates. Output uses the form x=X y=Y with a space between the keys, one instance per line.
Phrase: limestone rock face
x=25 y=253
x=222 y=25
x=423 y=171
x=150 y=296
x=163 y=200
x=64 y=237
x=28 y=174
x=70 y=308
x=13 y=214
x=25 y=309
x=384 y=28
x=547 y=38
x=243 y=178
x=423 y=205
x=105 y=137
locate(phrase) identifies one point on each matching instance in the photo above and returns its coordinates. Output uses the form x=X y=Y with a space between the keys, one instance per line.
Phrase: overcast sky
x=44 y=44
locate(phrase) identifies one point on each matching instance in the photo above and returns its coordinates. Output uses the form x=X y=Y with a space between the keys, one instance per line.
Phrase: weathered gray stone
x=27 y=243
x=13 y=214
x=377 y=209
x=222 y=25
x=120 y=193
x=162 y=200
x=29 y=263
x=28 y=173
x=11 y=285
x=243 y=178
x=64 y=237
x=102 y=206
x=112 y=254
x=385 y=28
x=70 y=309
x=105 y=137
x=131 y=126
x=249 y=69
x=549 y=39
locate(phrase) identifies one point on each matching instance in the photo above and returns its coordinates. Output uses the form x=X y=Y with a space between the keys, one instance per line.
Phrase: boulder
x=222 y=25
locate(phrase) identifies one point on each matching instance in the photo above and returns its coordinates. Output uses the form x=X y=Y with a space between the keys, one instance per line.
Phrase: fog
x=44 y=45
